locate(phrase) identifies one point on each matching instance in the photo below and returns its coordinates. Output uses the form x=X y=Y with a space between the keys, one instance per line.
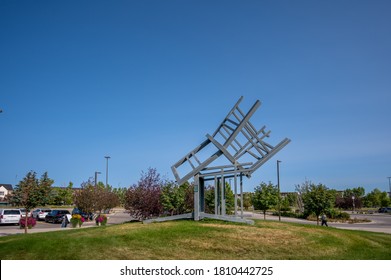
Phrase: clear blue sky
x=145 y=81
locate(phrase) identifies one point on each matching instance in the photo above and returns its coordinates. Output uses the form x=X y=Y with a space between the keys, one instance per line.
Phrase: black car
x=87 y=216
x=385 y=210
x=56 y=216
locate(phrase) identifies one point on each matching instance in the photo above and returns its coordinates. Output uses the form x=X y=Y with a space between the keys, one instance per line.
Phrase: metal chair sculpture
x=235 y=139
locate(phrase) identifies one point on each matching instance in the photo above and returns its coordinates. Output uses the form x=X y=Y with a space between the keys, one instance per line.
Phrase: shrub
x=31 y=222
x=77 y=220
x=337 y=215
x=102 y=219
x=287 y=214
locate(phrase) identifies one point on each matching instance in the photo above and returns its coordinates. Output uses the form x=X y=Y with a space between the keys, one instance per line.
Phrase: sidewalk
x=373 y=226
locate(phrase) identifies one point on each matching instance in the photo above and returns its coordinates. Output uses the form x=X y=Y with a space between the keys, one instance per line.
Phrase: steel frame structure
x=225 y=139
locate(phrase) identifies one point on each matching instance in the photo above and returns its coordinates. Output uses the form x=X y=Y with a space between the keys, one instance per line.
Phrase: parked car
x=56 y=216
x=87 y=216
x=385 y=210
x=10 y=216
x=40 y=213
x=23 y=212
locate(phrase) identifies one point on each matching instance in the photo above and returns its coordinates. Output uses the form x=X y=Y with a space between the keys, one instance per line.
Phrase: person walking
x=65 y=221
x=324 y=220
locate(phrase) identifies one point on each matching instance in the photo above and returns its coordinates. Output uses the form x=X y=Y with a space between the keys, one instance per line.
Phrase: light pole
x=107 y=170
x=278 y=185
x=96 y=177
x=389 y=184
x=353 y=203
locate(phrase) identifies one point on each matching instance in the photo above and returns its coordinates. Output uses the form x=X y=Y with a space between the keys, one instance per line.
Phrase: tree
x=174 y=198
x=91 y=198
x=210 y=199
x=44 y=189
x=30 y=192
x=61 y=195
x=144 y=199
x=292 y=199
x=247 y=200
x=84 y=199
x=376 y=198
x=105 y=197
x=345 y=199
x=120 y=192
x=317 y=200
x=265 y=197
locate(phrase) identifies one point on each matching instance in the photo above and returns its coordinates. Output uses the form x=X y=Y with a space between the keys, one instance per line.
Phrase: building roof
x=7 y=186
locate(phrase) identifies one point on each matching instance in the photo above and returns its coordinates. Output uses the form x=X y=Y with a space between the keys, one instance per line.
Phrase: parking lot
x=117 y=216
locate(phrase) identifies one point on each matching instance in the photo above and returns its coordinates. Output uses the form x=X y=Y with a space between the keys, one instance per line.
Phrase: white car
x=40 y=213
x=10 y=216
x=23 y=212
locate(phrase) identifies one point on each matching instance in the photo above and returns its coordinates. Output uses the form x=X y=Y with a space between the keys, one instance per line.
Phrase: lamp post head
x=107 y=157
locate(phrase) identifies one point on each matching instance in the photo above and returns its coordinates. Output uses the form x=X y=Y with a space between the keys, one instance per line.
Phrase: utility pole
x=278 y=185
x=389 y=185
x=107 y=170
x=96 y=177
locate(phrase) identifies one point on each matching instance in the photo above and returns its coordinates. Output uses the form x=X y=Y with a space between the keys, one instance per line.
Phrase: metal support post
x=196 y=197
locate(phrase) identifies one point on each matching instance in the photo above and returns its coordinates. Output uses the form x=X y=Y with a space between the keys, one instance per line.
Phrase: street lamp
x=107 y=170
x=278 y=185
x=389 y=185
x=96 y=177
x=353 y=203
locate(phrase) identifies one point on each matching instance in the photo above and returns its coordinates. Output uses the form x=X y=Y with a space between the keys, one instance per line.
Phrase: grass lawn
x=206 y=239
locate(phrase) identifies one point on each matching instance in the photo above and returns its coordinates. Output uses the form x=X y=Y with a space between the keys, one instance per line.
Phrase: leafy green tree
x=120 y=192
x=265 y=197
x=317 y=199
x=247 y=200
x=173 y=198
x=62 y=196
x=285 y=205
x=30 y=192
x=291 y=199
x=377 y=198
x=210 y=199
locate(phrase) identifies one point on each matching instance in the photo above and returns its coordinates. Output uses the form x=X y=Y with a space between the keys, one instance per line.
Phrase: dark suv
x=56 y=216
x=87 y=216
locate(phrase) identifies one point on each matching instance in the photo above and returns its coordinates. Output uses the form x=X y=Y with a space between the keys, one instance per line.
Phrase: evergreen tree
x=29 y=194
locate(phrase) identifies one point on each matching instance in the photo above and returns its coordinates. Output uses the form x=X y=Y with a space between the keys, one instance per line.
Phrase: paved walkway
x=379 y=222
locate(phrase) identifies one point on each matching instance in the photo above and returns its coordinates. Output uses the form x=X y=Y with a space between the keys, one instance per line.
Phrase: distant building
x=5 y=189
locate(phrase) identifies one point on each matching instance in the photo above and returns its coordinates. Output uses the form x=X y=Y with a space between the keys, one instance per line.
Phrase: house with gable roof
x=5 y=189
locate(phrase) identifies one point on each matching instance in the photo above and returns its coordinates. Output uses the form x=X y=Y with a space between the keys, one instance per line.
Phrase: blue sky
x=145 y=81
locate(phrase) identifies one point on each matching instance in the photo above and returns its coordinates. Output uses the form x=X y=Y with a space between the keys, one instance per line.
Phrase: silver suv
x=9 y=216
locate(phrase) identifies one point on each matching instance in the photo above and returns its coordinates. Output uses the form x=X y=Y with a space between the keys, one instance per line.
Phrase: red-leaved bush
x=31 y=222
x=143 y=199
